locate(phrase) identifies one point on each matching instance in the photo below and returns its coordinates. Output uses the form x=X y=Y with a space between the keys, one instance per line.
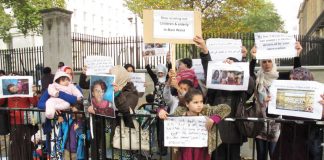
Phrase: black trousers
x=227 y=151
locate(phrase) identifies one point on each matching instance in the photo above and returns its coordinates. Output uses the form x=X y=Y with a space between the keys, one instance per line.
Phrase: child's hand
x=209 y=123
x=76 y=126
x=163 y=114
x=172 y=73
x=84 y=69
x=91 y=110
x=60 y=119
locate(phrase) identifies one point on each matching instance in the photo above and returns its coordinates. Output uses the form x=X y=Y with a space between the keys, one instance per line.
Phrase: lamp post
x=136 y=40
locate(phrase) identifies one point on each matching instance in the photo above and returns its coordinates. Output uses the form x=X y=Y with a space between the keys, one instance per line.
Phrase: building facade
x=102 y=18
x=311 y=18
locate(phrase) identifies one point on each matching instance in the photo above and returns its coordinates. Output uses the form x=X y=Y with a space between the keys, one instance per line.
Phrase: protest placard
x=220 y=48
x=102 y=94
x=272 y=45
x=156 y=49
x=16 y=86
x=296 y=98
x=198 y=68
x=170 y=26
x=226 y=76
x=139 y=80
x=98 y=64
x=189 y=131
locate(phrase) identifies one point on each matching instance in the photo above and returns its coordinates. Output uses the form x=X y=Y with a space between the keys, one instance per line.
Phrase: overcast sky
x=288 y=10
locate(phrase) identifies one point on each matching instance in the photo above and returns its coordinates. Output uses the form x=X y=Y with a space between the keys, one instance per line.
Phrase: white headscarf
x=264 y=80
x=163 y=69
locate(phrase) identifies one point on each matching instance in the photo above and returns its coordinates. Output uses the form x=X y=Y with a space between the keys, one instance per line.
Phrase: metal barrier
x=25 y=137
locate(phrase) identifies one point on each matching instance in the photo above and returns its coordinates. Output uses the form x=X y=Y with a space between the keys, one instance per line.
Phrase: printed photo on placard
x=227 y=77
x=232 y=77
x=102 y=94
x=296 y=98
x=155 y=49
x=16 y=86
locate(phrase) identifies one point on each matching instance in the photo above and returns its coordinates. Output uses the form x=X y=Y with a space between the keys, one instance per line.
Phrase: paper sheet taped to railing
x=185 y=131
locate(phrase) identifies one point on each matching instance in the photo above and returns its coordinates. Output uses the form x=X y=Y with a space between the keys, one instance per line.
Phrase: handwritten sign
x=185 y=131
x=220 y=48
x=98 y=64
x=139 y=80
x=274 y=45
x=198 y=68
x=171 y=26
x=294 y=98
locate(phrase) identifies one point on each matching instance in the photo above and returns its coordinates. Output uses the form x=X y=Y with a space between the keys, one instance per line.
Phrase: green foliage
x=221 y=16
x=24 y=14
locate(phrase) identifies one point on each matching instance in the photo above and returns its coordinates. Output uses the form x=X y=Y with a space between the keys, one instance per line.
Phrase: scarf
x=121 y=76
x=264 y=80
x=163 y=69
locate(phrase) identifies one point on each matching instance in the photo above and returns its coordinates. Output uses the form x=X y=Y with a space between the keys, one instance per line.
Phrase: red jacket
x=17 y=117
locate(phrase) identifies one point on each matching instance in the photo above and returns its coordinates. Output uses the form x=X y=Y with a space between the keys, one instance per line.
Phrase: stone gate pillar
x=57 y=42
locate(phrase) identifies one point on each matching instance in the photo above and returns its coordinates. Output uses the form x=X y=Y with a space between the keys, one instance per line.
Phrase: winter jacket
x=17 y=117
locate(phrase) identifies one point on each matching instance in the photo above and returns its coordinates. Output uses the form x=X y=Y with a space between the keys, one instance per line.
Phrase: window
x=75 y=30
x=102 y=33
x=102 y=20
x=93 y=31
x=93 y=19
x=74 y=13
x=84 y=16
x=85 y=30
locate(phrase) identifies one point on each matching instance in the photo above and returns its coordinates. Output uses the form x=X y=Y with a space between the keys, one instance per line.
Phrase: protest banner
x=189 y=131
x=198 y=68
x=272 y=45
x=139 y=80
x=220 y=48
x=224 y=76
x=16 y=86
x=296 y=98
x=169 y=26
x=98 y=64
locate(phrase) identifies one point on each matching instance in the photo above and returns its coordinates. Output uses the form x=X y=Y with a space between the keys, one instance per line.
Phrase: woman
x=101 y=106
x=20 y=133
x=300 y=141
x=266 y=140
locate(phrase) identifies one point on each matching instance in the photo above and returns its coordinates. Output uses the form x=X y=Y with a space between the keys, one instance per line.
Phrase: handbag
x=130 y=138
x=249 y=129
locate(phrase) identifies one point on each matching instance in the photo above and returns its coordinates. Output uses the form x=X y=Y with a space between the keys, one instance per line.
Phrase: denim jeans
x=264 y=147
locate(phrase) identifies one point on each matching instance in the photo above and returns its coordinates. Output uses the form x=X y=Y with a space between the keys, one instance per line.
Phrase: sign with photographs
x=16 y=86
x=220 y=48
x=188 y=131
x=224 y=76
x=296 y=98
x=102 y=94
x=272 y=45
x=156 y=49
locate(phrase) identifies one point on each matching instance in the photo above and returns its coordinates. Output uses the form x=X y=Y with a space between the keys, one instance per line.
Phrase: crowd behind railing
x=66 y=126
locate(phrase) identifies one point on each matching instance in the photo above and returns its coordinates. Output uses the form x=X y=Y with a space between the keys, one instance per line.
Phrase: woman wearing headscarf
x=266 y=140
x=299 y=141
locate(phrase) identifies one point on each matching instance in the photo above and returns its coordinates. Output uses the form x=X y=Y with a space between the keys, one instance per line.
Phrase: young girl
x=195 y=107
x=62 y=82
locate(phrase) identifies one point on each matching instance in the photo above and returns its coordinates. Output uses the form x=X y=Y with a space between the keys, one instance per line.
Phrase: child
x=62 y=82
x=185 y=71
x=194 y=107
x=20 y=88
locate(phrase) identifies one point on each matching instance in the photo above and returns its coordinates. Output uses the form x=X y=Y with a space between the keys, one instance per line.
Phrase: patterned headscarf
x=121 y=76
x=301 y=73
x=264 y=80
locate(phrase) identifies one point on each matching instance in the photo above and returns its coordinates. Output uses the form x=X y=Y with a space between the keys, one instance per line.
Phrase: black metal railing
x=42 y=139
x=24 y=61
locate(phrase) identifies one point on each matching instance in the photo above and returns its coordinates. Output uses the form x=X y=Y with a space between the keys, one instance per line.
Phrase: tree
x=24 y=15
x=221 y=16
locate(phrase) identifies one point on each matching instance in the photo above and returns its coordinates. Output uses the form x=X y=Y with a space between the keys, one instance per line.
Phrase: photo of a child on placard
x=102 y=94
x=227 y=77
x=15 y=86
